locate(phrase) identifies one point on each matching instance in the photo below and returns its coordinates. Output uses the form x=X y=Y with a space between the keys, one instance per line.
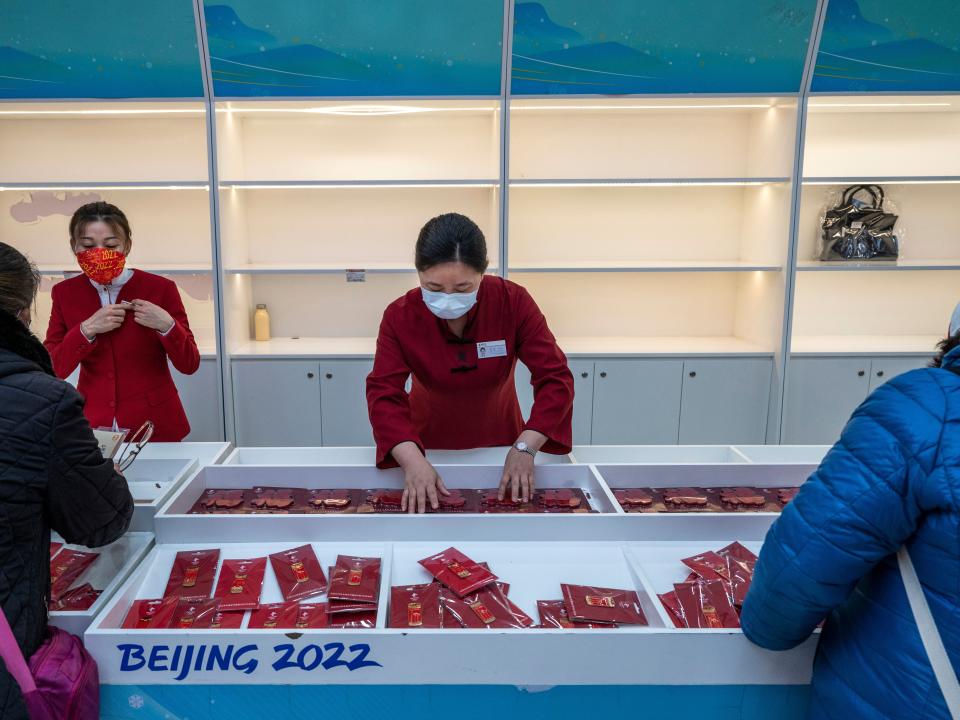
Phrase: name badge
x=492 y=349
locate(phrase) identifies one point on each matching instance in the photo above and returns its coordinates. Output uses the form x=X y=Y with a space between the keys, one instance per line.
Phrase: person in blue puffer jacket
x=893 y=479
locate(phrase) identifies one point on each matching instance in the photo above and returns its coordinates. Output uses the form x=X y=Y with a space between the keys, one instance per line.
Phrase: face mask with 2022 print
x=449 y=306
x=102 y=265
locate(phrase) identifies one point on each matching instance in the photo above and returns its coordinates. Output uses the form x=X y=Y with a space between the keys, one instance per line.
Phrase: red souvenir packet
x=715 y=605
x=637 y=499
x=597 y=604
x=77 y=599
x=66 y=567
x=312 y=615
x=240 y=584
x=354 y=621
x=193 y=613
x=486 y=608
x=458 y=572
x=740 y=566
x=223 y=620
x=385 y=501
x=739 y=552
x=355 y=579
x=55 y=548
x=458 y=501
x=561 y=500
x=282 y=616
x=218 y=501
x=708 y=565
x=415 y=606
x=688 y=598
x=271 y=500
x=330 y=501
x=743 y=498
x=690 y=499
x=491 y=503
x=298 y=573
x=553 y=614
x=192 y=574
x=150 y=614
x=672 y=605
x=785 y=495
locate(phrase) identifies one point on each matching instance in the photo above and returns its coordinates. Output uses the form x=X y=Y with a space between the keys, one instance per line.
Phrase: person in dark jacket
x=893 y=479
x=52 y=474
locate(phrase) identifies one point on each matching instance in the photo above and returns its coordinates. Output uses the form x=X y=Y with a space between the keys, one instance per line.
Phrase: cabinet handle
x=861 y=373
x=329 y=376
x=603 y=374
x=584 y=375
x=880 y=373
x=310 y=375
x=693 y=373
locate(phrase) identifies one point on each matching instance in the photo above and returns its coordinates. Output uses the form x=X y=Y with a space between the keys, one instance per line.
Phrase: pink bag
x=61 y=682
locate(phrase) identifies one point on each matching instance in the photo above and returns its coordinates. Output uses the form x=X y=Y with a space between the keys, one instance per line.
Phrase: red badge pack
x=708 y=565
x=672 y=605
x=553 y=614
x=313 y=615
x=281 y=616
x=598 y=604
x=196 y=613
x=688 y=499
x=272 y=500
x=355 y=580
x=298 y=573
x=742 y=498
x=192 y=574
x=354 y=621
x=150 y=614
x=715 y=605
x=458 y=572
x=384 y=501
x=66 y=567
x=486 y=608
x=55 y=548
x=330 y=501
x=76 y=599
x=216 y=501
x=222 y=620
x=415 y=606
x=636 y=499
x=240 y=584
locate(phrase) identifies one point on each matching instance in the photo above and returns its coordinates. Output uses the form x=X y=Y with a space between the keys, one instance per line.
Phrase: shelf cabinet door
x=343 y=402
x=725 y=402
x=277 y=402
x=887 y=368
x=201 y=400
x=582 y=397
x=821 y=395
x=637 y=402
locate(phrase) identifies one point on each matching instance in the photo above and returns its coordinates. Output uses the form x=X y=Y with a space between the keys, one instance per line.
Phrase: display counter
x=152 y=482
x=107 y=573
x=658 y=454
x=205 y=453
x=366 y=456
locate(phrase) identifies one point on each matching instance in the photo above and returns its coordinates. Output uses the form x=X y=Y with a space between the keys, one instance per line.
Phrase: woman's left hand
x=152 y=316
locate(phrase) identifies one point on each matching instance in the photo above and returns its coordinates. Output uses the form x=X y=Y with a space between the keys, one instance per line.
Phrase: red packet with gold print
x=672 y=605
x=458 y=572
x=298 y=573
x=715 y=605
x=708 y=565
x=313 y=615
x=191 y=614
x=150 y=614
x=240 y=584
x=66 y=567
x=355 y=580
x=553 y=614
x=192 y=574
x=598 y=604
x=415 y=606
x=77 y=599
x=279 y=616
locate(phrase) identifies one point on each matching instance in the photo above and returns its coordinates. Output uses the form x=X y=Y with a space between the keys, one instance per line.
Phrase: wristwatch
x=521 y=446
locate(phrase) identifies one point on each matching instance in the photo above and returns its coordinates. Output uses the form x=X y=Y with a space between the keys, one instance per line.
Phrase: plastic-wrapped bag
x=859 y=225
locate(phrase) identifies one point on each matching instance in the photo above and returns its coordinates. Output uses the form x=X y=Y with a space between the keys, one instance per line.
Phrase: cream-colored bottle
x=261 y=324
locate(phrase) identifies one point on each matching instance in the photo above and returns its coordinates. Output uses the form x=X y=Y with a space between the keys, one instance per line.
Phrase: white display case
x=152 y=481
x=656 y=654
x=807 y=455
x=658 y=455
x=115 y=564
x=367 y=456
x=205 y=453
x=175 y=524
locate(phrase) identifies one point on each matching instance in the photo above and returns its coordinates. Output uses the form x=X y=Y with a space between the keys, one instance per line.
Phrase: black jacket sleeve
x=88 y=502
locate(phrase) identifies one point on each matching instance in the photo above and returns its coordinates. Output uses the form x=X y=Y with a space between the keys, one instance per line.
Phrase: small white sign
x=356 y=276
x=491 y=349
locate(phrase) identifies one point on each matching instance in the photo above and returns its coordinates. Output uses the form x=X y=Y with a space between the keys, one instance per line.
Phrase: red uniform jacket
x=124 y=374
x=458 y=399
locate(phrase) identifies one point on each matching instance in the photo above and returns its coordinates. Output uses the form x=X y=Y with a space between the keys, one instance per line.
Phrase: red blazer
x=460 y=400
x=124 y=374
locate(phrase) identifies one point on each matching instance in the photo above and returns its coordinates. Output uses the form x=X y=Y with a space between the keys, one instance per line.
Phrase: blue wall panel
x=889 y=46
x=651 y=46
x=343 y=48
x=103 y=49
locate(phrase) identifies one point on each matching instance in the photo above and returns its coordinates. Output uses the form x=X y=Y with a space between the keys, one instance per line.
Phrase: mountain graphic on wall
x=296 y=66
x=223 y=23
x=598 y=67
x=532 y=23
x=845 y=25
x=22 y=69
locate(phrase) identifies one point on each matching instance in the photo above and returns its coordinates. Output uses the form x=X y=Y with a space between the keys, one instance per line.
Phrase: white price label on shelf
x=356 y=276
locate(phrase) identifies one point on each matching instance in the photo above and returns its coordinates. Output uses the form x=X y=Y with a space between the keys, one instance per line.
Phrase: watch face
x=521 y=446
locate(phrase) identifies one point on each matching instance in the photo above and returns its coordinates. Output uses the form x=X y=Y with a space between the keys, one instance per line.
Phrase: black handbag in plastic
x=856 y=230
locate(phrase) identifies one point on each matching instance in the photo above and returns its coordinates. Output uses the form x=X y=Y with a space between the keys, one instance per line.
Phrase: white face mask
x=449 y=306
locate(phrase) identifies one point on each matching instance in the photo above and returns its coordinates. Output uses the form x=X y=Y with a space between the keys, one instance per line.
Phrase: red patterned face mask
x=102 y=265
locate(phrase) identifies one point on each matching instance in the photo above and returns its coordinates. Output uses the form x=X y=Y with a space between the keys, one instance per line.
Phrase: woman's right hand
x=104 y=320
x=422 y=483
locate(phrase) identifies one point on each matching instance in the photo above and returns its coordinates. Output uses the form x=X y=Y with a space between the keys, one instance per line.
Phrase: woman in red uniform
x=120 y=326
x=460 y=335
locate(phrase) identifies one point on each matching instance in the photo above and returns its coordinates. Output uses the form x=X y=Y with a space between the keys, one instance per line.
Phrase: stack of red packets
x=689 y=499
x=66 y=565
x=467 y=594
x=187 y=603
x=712 y=595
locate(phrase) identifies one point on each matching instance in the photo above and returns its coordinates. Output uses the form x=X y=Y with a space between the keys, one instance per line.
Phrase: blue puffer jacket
x=892 y=479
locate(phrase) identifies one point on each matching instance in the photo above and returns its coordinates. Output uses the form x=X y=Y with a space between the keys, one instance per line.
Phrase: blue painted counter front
x=467 y=702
